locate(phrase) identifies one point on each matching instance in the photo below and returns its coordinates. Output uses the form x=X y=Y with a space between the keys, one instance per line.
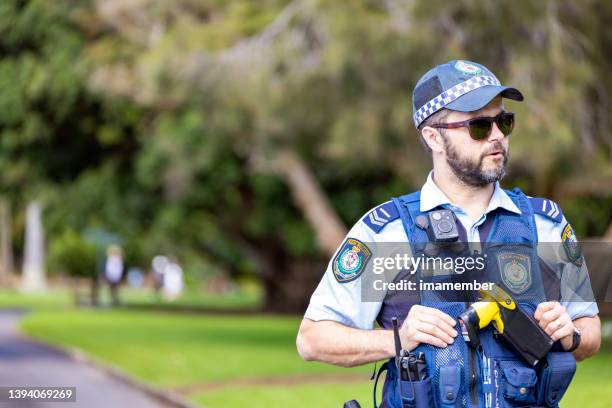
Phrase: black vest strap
x=382 y=368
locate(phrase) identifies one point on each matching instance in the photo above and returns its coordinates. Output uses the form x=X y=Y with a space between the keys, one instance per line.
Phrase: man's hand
x=427 y=325
x=553 y=318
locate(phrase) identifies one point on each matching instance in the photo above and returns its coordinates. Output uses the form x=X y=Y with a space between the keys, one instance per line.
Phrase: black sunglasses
x=480 y=128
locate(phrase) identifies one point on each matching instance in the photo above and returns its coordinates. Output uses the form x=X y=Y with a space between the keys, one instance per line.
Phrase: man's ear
x=433 y=138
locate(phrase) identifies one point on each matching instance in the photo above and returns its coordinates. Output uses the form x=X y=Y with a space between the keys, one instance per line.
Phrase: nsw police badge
x=571 y=245
x=515 y=270
x=467 y=68
x=350 y=261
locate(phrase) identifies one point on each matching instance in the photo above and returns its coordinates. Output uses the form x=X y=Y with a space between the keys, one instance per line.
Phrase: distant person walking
x=113 y=271
x=167 y=277
x=173 y=281
x=158 y=266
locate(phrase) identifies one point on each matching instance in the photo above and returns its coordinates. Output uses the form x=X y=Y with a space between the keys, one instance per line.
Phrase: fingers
x=441 y=315
x=554 y=325
x=418 y=310
x=435 y=317
x=440 y=323
x=553 y=318
x=435 y=331
x=543 y=308
x=429 y=325
x=562 y=327
x=429 y=339
x=550 y=318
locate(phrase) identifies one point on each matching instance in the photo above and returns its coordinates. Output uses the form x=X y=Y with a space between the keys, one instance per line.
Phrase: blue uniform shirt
x=341 y=302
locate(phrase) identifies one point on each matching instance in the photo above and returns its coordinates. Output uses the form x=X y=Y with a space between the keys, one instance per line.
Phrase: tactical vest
x=492 y=375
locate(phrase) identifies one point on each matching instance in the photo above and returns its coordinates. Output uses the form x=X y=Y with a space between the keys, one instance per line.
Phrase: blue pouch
x=416 y=394
x=450 y=386
x=408 y=394
x=519 y=384
x=555 y=377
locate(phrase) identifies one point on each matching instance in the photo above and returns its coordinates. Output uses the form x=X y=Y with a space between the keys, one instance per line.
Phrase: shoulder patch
x=350 y=261
x=380 y=216
x=547 y=208
x=571 y=245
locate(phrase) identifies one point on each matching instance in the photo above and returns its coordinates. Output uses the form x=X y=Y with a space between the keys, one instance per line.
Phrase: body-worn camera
x=441 y=229
x=442 y=226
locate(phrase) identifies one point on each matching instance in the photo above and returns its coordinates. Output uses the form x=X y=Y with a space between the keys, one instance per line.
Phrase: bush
x=71 y=254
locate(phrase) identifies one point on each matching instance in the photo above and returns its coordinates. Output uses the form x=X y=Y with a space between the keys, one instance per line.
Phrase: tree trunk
x=608 y=234
x=310 y=198
x=95 y=292
x=289 y=286
x=6 y=248
x=289 y=282
x=33 y=278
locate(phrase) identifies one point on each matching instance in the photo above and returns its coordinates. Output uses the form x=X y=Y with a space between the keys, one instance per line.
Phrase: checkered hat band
x=450 y=95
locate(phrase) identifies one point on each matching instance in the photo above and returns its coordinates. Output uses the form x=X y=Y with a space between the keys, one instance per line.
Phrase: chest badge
x=515 y=270
x=351 y=260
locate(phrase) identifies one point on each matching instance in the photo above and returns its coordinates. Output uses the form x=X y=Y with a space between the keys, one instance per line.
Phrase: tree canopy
x=244 y=137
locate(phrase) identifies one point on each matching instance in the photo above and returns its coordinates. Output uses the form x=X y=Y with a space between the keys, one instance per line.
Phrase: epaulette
x=547 y=208
x=380 y=216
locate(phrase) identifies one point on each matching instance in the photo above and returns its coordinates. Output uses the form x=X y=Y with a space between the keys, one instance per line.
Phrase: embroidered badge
x=571 y=245
x=351 y=260
x=467 y=68
x=515 y=270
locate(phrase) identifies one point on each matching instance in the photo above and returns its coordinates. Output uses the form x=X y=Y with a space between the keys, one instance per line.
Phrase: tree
x=244 y=136
x=54 y=131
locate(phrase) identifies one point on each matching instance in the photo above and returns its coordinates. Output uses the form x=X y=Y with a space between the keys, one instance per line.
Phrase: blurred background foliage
x=244 y=137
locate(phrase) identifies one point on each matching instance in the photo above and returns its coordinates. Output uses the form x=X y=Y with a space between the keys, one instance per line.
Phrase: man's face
x=476 y=162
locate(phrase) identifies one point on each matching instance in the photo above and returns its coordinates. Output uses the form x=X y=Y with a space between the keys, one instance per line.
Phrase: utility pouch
x=556 y=374
x=519 y=384
x=416 y=394
x=408 y=394
x=450 y=386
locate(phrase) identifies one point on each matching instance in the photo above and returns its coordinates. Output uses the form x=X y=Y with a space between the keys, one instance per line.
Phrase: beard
x=471 y=171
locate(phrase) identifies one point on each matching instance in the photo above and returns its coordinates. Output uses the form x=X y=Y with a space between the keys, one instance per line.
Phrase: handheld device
x=510 y=321
x=411 y=366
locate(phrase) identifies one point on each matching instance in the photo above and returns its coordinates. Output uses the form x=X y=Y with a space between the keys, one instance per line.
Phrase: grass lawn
x=173 y=350
x=323 y=395
x=51 y=299
x=191 y=299
x=62 y=298
x=592 y=385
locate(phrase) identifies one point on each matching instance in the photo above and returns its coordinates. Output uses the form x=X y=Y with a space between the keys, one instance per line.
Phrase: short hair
x=437 y=117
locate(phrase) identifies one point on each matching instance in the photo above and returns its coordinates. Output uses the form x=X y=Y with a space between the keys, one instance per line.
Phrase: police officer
x=459 y=112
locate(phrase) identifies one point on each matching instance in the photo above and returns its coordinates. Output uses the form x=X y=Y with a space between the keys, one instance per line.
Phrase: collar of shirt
x=432 y=196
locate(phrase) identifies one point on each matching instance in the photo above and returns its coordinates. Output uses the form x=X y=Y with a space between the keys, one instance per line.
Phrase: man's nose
x=496 y=134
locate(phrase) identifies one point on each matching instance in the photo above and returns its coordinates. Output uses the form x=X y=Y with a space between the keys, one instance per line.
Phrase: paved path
x=23 y=362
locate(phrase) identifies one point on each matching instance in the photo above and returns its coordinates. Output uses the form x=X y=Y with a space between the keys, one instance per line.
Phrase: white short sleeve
x=576 y=291
x=342 y=301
